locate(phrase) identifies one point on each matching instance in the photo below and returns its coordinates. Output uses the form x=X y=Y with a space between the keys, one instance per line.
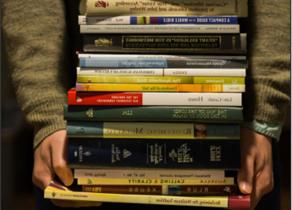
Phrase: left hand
x=255 y=176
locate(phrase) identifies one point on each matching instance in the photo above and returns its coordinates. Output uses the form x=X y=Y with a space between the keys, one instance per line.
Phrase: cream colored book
x=161 y=8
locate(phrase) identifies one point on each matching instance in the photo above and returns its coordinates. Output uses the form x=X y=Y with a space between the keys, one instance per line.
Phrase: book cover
x=198 y=114
x=166 y=43
x=195 y=88
x=153 y=98
x=168 y=7
x=158 y=79
x=161 y=29
x=180 y=190
x=177 y=72
x=54 y=191
x=141 y=20
x=153 y=153
x=161 y=61
x=148 y=173
x=152 y=130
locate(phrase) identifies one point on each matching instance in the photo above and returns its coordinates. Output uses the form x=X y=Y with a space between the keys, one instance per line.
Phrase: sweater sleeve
x=34 y=37
x=267 y=96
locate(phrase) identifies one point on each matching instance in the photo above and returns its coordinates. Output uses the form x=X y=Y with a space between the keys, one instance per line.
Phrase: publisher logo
x=101 y=4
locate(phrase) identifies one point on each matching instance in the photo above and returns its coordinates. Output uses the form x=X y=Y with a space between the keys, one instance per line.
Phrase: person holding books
x=36 y=38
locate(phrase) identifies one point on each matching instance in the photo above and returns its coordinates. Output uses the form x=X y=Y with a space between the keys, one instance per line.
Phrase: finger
x=245 y=174
x=59 y=162
x=264 y=183
x=75 y=204
x=42 y=171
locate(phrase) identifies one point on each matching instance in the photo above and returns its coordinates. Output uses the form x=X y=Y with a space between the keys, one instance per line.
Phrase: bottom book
x=55 y=191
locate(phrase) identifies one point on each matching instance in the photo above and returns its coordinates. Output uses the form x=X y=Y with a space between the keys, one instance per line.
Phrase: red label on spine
x=105 y=99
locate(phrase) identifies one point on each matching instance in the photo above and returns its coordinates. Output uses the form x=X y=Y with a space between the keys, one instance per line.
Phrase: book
x=153 y=153
x=201 y=72
x=198 y=114
x=201 y=88
x=55 y=191
x=153 y=98
x=161 y=61
x=161 y=29
x=141 y=20
x=158 y=79
x=168 y=7
x=152 y=130
x=166 y=43
x=180 y=190
x=148 y=173
x=159 y=182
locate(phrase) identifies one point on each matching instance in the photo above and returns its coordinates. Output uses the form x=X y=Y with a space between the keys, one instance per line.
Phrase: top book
x=166 y=7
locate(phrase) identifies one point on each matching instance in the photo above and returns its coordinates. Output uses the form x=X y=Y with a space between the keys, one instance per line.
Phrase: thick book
x=141 y=20
x=167 y=7
x=199 y=114
x=55 y=191
x=180 y=190
x=152 y=130
x=161 y=29
x=148 y=173
x=155 y=182
x=153 y=99
x=166 y=43
x=158 y=79
x=155 y=87
x=127 y=61
x=153 y=153
x=176 y=72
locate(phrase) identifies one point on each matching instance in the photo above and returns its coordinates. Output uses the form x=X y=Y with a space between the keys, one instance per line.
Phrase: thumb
x=246 y=174
x=59 y=161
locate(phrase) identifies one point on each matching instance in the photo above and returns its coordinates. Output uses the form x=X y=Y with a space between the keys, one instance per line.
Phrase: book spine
x=141 y=20
x=154 y=98
x=160 y=29
x=181 y=190
x=158 y=79
x=159 y=43
x=167 y=8
x=230 y=201
x=90 y=60
x=154 y=114
x=213 y=154
x=200 y=72
x=154 y=182
x=148 y=173
x=196 y=88
x=141 y=130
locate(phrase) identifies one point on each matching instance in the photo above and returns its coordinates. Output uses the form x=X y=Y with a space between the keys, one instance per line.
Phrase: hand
x=255 y=176
x=50 y=161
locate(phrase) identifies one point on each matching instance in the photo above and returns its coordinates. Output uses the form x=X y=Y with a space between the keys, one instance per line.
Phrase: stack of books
x=156 y=120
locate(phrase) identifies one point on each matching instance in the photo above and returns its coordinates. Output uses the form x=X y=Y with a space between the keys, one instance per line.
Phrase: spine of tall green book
x=154 y=114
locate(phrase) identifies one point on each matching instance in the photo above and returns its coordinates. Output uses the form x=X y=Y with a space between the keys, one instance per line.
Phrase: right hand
x=50 y=161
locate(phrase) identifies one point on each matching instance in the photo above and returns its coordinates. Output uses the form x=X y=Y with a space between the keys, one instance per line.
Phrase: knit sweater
x=36 y=39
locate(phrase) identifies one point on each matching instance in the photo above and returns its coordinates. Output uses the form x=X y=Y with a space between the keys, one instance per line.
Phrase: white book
x=154 y=29
x=224 y=72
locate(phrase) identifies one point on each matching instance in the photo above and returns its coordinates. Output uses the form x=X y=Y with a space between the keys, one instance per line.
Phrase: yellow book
x=155 y=182
x=158 y=79
x=57 y=192
x=108 y=87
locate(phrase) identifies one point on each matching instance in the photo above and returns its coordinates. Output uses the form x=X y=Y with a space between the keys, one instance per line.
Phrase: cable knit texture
x=35 y=36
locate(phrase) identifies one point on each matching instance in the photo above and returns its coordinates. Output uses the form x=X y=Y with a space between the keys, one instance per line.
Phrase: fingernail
x=245 y=188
